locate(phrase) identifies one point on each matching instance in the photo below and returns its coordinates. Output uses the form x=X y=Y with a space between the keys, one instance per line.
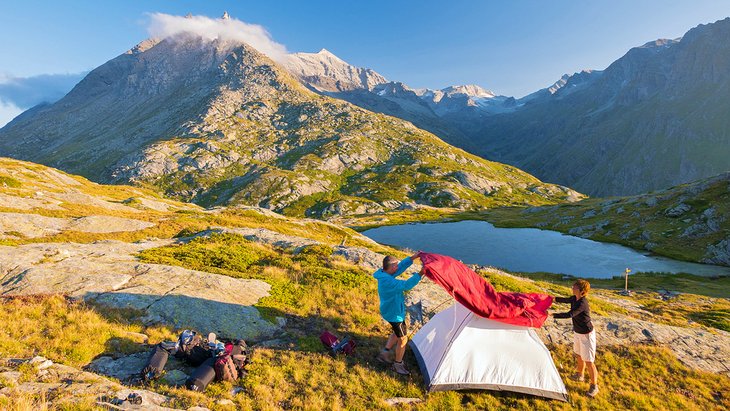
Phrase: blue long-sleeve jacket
x=390 y=291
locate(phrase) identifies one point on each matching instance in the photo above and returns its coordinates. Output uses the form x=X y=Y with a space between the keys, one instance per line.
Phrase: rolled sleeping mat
x=155 y=365
x=201 y=376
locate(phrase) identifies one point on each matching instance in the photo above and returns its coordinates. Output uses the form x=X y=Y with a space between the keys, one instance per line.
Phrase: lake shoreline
x=602 y=258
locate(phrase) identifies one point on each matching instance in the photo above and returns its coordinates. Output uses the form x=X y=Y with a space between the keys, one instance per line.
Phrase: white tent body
x=458 y=350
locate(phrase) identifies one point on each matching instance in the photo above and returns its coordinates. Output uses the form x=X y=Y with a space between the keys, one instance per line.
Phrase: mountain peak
x=325 y=52
x=471 y=90
x=658 y=43
x=243 y=131
x=325 y=71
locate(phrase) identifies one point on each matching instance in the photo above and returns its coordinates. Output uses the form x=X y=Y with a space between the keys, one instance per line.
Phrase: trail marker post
x=626 y=282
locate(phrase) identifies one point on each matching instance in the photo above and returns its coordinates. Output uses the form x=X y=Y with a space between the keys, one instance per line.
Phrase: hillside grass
x=300 y=375
x=67 y=331
x=316 y=291
x=641 y=222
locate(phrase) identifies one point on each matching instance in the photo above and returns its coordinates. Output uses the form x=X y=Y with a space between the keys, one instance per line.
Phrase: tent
x=458 y=349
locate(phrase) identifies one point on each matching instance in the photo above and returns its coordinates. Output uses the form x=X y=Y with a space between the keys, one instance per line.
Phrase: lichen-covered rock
x=108 y=273
x=477 y=183
x=677 y=210
x=718 y=253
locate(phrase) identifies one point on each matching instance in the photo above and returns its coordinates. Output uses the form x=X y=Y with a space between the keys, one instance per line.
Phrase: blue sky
x=510 y=47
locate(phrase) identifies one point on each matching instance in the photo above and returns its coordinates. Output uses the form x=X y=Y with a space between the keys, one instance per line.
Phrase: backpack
x=191 y=348
x=240 y=355
x=225 y=369
x=231 y=362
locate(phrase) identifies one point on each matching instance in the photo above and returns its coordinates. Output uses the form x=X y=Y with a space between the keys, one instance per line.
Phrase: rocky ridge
x=652 y=119
x=218 y=123
x=644 y=123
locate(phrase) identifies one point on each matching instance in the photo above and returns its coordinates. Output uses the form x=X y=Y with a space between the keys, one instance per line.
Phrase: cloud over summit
x=165 y=25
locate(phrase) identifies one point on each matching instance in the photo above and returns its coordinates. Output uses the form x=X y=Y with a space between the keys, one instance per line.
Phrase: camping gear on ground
x=170 y=346
x=458 y=349
x=479 y=296
x=155 y=365
x=191 y=348
x=220 y=348
x=223 y=361
x=330 y=341
x=201 y=376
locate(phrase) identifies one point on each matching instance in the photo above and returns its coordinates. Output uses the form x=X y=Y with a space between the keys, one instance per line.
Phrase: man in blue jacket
x=393 y=309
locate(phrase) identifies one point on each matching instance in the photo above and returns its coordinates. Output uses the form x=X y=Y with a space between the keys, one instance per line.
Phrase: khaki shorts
x=585 y=345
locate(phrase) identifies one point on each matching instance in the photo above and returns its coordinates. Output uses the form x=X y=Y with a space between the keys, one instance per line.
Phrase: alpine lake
x=530 y=250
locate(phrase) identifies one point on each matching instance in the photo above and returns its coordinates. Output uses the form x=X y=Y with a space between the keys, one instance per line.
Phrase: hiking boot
x=577 y=377
x=592 y=391
x=400 y=368
x=384 y=357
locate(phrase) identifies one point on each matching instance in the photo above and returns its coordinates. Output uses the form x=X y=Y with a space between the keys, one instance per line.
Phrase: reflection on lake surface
x=530 y=250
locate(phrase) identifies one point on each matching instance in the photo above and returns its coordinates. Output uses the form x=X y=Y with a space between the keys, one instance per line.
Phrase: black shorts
x=399 y=329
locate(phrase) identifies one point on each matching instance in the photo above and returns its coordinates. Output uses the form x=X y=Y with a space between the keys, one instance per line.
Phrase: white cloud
x=165 y=25
x=26 y=92
x=8 y=111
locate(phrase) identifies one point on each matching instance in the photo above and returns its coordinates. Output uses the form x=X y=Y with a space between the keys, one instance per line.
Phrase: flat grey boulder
x=108 y=273
x=128 y=367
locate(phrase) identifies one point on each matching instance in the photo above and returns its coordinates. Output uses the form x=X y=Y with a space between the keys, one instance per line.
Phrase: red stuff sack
x=328 y=339
x=331 y=342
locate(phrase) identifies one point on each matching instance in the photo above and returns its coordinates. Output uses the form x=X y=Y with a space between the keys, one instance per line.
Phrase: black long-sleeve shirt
x=579 y=312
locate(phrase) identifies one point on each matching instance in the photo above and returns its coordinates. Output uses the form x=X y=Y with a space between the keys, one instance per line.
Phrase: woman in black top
x=584 y=338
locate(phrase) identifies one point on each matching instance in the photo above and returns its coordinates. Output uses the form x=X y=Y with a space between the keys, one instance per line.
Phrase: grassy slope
x=29 y=179
x=639 y=221
x=315 y=290
x=409 y=165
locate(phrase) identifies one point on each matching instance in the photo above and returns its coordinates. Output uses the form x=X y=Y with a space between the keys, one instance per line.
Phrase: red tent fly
x=478 y=295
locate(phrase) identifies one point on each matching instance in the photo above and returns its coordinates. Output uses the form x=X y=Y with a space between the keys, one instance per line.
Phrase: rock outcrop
x=108 y=273
x=66 y=386
x=215 y=122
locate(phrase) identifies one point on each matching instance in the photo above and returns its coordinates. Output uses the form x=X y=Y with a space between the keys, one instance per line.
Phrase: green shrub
x=7 y=181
